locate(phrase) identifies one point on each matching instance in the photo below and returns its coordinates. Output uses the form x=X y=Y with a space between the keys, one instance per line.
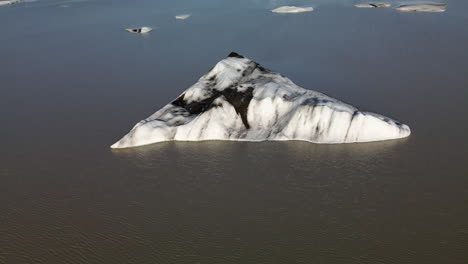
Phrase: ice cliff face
x=240 y=100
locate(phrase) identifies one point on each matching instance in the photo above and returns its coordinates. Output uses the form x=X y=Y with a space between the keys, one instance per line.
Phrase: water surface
x=72 y=82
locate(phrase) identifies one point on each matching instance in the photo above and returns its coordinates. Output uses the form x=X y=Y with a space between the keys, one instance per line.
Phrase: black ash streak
x=239 y=100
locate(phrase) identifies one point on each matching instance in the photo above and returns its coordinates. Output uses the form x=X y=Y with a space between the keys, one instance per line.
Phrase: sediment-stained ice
x=432 y=8
x=240 y=100
x=9 y=2
x=373 y=5
x=292 y=9
x=141 y=30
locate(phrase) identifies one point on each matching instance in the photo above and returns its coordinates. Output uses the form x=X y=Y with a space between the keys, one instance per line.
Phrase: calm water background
x=72 y=82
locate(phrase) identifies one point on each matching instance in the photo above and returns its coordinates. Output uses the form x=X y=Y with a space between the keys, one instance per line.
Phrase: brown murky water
x=72 y=82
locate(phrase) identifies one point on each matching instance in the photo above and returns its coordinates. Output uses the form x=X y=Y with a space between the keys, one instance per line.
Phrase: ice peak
x=240 y=100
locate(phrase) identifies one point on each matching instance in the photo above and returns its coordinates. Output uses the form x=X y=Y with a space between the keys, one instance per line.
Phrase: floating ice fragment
x=184 y=16
x=9 y=2
x=240 y=100
x=432 y=8
x=140 y=30
x=373 y=5
x=292 y=9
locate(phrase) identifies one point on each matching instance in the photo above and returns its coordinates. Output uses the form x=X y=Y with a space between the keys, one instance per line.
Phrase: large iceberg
x=240 y=100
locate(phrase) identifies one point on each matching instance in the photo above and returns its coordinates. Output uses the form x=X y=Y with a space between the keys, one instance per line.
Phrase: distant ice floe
x=141 y=30
x=292 y=9
x=417 y=7
x=431 y=8
x=9 y=2
x=242 y=101
x=184 y=16
x=373 y=5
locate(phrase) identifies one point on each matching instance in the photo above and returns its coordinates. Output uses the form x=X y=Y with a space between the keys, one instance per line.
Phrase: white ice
x=184 y=16
x=432 y=8
x=292 y=9
x=274 y=108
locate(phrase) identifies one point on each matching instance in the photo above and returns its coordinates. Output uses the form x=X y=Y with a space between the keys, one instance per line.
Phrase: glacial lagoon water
x=72 y=82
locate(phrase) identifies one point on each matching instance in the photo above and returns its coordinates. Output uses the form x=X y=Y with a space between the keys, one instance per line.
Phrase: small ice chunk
x=292 y=9
x=183 y=16
x=141 y=30
x=373 y=5
x=431 y=8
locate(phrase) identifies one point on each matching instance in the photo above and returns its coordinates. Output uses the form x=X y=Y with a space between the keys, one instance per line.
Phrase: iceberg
x=240 y=100
x=292 y=9
x=432 y=8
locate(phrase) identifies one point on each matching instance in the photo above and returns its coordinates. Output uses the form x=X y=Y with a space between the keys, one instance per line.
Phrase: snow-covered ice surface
x=292 y=9
x=432 y=8
x=240 y=100
x=183 y=16
x=373 y=5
